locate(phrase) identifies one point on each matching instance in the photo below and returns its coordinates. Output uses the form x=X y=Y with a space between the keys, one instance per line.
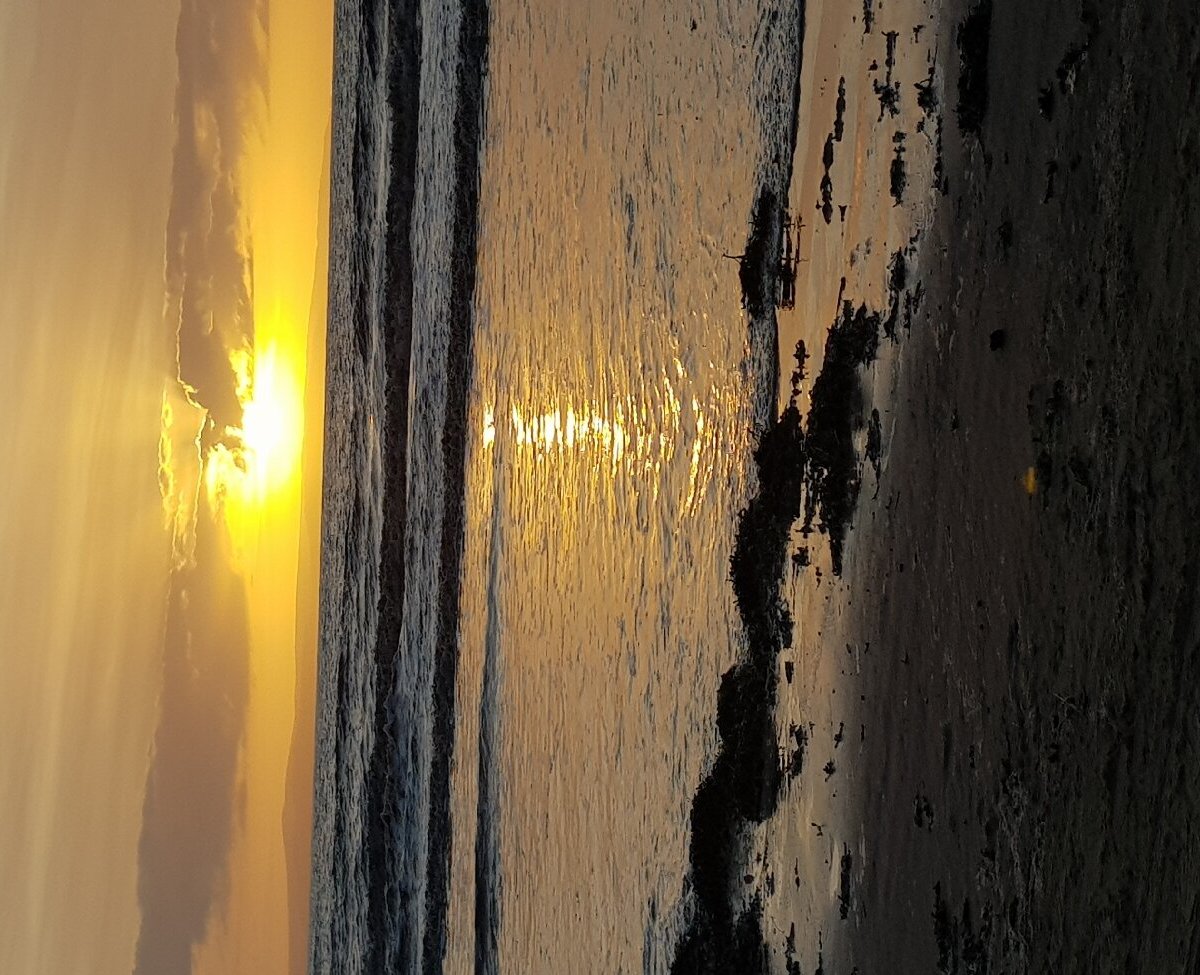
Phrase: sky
x=162 y=297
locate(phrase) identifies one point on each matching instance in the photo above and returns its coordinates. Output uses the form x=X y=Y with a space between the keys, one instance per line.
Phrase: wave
x=402 y=266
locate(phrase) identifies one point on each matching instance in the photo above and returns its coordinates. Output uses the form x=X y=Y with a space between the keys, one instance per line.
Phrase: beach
x=994 y=704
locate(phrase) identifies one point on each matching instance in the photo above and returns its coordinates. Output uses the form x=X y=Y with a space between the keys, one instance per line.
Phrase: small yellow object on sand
x=1030 y=481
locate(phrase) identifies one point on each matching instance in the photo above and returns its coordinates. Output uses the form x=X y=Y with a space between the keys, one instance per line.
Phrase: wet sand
x=989 y=722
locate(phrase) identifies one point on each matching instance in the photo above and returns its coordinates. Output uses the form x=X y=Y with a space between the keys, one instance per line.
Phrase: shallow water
x=612 y=406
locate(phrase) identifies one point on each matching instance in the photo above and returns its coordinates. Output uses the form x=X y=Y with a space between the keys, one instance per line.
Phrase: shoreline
x=959 y=732
x=742 y=787
x=808 y=482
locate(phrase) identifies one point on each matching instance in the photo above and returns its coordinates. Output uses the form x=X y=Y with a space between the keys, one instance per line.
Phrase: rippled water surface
x=613 y=399
x=608 y=457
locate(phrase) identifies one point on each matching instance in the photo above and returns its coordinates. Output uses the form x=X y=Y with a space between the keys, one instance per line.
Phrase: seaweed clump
x=744 y=784
x=812 y=467
x=898 y=172
x=756 y=266
x=974 y=39
x=817 y=471
x=833 y=478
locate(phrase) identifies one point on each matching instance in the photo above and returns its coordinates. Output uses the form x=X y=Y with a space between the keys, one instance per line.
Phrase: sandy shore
x=989 y=722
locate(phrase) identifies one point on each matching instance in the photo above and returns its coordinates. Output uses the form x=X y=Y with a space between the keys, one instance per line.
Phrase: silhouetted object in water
x=759 y=277
x=756 y=270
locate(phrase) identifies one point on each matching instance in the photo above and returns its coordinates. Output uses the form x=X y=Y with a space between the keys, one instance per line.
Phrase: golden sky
x=284 y=202
x=149 y=643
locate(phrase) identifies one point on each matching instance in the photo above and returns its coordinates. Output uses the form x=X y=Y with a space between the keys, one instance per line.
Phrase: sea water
x=612 y=398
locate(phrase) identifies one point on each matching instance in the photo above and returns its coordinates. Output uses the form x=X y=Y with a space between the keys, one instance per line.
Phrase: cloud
x=219 y=107
x=189 y=810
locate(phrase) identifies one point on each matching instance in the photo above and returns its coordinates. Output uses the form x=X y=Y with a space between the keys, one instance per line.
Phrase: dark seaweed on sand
x=898 y=172
x=845 y=869
x=816 y=470
x=811 y=466
x=743 y=786
x=797 y=377
x=756 y=269
x=897 y=278
x=826 y=205
x=888 y=91
x=795 y=765
x=839 y=119
x=974 y=37
x=836 y=413
x=790 y=965
x=927 y=100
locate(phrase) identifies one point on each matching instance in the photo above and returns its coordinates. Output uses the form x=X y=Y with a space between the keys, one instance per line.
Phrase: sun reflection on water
x=652 y=438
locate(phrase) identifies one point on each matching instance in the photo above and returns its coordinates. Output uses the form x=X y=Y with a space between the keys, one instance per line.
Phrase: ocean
x=544 y=387
x=643 y=650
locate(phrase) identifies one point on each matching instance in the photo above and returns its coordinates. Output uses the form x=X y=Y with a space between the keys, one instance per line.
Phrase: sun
x=272 y=422
x=257 y=460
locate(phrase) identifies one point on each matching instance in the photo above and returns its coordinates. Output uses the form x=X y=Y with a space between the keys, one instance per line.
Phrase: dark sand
x=1028 y=770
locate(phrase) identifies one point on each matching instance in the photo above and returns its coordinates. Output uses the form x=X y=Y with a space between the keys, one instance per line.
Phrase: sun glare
x=261 y=457
x=272 y=426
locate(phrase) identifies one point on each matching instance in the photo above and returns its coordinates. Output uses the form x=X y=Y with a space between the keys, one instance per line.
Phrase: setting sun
x=259 y=460
x=272 y=421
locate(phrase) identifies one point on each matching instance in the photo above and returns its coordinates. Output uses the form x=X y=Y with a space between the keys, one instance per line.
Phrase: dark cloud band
x=189 y=810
